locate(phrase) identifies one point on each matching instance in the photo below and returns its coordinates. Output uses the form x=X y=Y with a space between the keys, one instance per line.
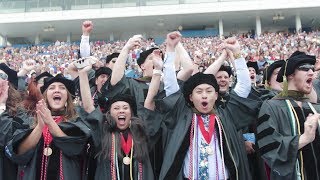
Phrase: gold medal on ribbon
x=209 y=150
x=126 y=160
x=47 y=151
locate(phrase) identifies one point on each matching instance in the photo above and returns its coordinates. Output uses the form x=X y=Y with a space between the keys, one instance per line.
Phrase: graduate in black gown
x=195 y=151
x=121 y=139
x=138 y=87
x=10 y=118
x=52 y=147
x=288 y=134
x=270 y=77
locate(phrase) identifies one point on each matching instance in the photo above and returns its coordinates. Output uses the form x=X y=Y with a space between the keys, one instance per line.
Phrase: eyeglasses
x=3 y=76
x=305 y=67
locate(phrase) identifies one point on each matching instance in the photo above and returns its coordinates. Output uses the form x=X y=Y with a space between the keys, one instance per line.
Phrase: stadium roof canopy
x=157 y=20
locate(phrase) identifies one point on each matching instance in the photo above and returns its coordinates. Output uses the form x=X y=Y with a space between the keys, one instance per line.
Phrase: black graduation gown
x=8 y=170
x=279 y=147
x=238 y=113
x=138 y=88
x=8 y=125
x=152 y=124
x=72 y=147
x=316 y=85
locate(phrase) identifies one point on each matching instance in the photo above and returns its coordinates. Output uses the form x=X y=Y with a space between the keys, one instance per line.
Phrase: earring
x=130 y=124
x=66 y=104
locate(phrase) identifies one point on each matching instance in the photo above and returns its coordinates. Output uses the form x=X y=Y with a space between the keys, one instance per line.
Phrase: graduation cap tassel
x=266 y=85
x=285 y=87
x=284 y=82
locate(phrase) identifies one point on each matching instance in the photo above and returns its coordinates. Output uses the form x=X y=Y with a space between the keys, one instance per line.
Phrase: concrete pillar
x=258 y=26
x=298 y=23
x=220 y=27
x=3 y=41
x=69 y=37
x=111 y=37
x=37 y=39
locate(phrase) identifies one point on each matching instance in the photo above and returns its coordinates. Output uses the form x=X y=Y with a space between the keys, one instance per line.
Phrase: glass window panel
x=7 y=6
x=161 y=2
x=124 y=3
x=200 y=1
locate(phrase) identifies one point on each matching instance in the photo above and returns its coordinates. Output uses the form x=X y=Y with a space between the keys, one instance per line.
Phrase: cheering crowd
x=237 y=108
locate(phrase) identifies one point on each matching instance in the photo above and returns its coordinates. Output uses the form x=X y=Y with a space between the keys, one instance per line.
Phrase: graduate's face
x=204 y=97
x=121 y=112
x=273 y=83
x=100 y=80
x=147 y=66
x=252 y=74
x=57 y=95
x=223 y=80
x=301 y=81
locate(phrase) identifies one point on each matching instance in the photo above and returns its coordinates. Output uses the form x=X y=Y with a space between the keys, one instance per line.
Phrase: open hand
x=134 y=41
x=44 y=112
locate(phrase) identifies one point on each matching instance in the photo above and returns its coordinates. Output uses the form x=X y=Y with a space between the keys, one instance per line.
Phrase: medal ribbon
x=126 y=145
x=47 y=140
x=45 y=132
x=207 y=134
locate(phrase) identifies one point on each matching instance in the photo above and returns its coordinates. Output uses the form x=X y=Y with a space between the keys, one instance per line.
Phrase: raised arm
x=87 y=27
x=27 y=66
x=120 y=65
x=31 y=141
x=214 y=67
x=155 y=81
x=243 y=86
x=186 y=63
x=170 y=79
x=87 y=102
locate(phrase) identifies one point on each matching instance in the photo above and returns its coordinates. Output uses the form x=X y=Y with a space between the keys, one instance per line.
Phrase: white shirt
x=211 y=158
x=242 y=87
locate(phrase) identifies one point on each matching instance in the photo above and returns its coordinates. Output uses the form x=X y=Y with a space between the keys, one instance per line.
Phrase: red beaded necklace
x=47 y=151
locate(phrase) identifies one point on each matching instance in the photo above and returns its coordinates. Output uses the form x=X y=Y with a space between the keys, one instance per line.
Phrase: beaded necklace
x=194 y=143
x=115 y=175
x=47 y=151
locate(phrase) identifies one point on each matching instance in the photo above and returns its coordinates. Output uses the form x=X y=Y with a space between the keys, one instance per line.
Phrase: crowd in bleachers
x=237 y=108
x=267 y=47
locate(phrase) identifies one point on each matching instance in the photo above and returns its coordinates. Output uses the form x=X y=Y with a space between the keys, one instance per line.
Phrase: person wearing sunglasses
x=287 y=124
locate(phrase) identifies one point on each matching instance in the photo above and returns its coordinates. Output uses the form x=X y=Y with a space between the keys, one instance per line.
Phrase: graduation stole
x=194 y=144
x=294 y=122
x=47 y=151
x=207 y=134
x=114 y=166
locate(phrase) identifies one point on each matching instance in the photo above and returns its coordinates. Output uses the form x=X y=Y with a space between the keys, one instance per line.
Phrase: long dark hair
x=31 y=100
x=14 y=100
x=137 y=129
